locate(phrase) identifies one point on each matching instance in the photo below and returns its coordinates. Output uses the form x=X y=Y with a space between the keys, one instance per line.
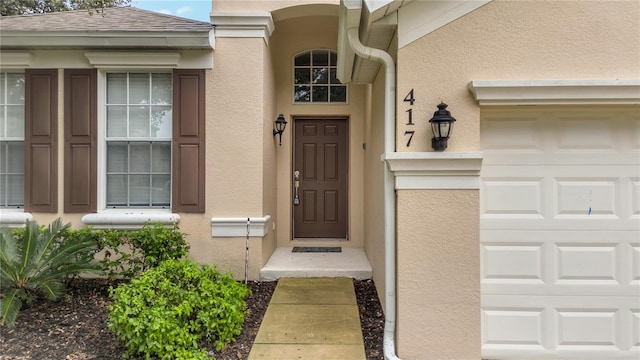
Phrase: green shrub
x=169 y=309
x=35 y=262
x=128 y=253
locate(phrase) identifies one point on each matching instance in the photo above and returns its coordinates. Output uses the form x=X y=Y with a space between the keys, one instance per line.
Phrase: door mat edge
x=316 y=249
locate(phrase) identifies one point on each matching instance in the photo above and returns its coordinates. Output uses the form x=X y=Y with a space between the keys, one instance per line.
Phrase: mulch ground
x=75 y=328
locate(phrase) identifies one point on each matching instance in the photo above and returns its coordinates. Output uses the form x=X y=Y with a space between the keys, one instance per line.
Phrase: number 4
x=409 y=98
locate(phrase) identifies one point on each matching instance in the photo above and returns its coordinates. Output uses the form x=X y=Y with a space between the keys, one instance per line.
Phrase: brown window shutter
x=80 y=141
x=41 y=140
x=188 y=141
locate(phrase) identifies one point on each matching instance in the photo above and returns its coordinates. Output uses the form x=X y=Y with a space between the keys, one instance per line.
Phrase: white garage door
x=560 y=234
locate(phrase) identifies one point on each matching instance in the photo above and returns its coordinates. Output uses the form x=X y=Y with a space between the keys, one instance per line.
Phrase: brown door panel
x=321 y=155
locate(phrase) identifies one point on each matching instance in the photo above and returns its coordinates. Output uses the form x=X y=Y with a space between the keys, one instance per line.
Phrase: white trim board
x=129 y=220
x=237 y=226
x=556 y=92
x=419 y=18
x=243 y=25
x=13 y=218
x=15 y=60
x=126 y=60
x=435 y=170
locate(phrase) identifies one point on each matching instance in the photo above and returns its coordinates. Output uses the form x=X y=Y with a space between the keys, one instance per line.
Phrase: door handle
x=296 y=185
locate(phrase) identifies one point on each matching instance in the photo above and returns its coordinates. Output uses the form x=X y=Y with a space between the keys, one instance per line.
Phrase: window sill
x=14 y=218
x=129 y=220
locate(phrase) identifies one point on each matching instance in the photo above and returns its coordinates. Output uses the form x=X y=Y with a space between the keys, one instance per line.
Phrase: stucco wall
x=438 y=274
x=269 y=164
x=236 y=143
x=374 y=184
x=513 y=40
x=292 y=36
x=235 y=129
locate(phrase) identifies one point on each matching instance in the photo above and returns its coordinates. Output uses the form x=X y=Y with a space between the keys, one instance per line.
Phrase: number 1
x=410 y=111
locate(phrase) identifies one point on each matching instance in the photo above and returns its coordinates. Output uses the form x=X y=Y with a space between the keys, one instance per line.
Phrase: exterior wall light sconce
x=278 y=126
x=441 y=125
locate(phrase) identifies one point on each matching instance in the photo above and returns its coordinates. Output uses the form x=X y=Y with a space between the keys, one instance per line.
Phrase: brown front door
x=320 y=158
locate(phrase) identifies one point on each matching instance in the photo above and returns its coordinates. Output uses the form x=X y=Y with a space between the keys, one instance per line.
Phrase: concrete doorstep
x=311 y=318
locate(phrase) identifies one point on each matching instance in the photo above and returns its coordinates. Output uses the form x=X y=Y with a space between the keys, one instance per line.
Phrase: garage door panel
x=513 y=198
x=559 y=327
x=561 y=137
x=587 y=328
x=565 y=157
x=635 y=332
x=560 y=262
x=634 y=190
x=593 y=264
x=513 y=263
x=635 y=264
x=585 y=132
x=517 y=328
x=508 y=133
x=560 y=193
x=583 y=197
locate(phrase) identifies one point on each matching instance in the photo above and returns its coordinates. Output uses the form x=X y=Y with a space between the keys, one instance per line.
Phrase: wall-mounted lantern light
x=278 y=126
x=441 y=125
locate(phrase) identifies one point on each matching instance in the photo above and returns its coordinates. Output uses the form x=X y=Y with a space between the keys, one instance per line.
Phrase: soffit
x=377 y=21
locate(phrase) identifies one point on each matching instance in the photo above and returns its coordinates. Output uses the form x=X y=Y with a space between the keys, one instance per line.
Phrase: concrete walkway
x=311 y=318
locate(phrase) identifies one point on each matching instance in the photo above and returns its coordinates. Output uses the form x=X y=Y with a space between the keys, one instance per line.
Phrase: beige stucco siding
x=235 y=129
x=269 y=165
x=236 y=144
x=438 y=274
x=374 y=184
x=514 y=40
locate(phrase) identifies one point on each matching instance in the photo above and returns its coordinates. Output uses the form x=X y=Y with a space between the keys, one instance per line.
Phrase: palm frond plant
x=36 y=261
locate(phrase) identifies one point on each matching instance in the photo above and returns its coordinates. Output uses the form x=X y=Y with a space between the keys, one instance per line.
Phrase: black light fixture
x=278 y=126
x=441 y=125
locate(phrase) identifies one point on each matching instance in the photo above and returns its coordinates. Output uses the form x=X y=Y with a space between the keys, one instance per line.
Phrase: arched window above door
x=314 y=78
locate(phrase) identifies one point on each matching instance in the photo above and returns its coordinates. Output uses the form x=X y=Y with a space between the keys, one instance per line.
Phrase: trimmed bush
x=170 y=309
x=129 y=253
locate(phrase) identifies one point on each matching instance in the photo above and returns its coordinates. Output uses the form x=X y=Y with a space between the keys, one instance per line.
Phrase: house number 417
x=410 y=99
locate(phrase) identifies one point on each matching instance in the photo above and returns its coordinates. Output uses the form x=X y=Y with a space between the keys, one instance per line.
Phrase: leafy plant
x=128 y=253
x=35 y=262
x=169 y=309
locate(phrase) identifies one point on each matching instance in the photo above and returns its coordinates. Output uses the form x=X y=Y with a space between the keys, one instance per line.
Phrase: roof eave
x=368 y=16
x=108 y=39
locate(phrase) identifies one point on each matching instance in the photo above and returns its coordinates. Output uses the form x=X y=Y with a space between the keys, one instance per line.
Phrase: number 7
x=409 y=132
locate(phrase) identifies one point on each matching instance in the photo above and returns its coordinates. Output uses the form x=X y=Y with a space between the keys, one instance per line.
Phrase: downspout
x=389 y=190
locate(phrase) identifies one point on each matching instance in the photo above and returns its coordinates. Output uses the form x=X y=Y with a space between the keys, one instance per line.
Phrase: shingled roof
x=113 y=19
x=123 y=27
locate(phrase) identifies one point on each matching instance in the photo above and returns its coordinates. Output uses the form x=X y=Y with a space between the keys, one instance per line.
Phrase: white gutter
x=389 y=192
